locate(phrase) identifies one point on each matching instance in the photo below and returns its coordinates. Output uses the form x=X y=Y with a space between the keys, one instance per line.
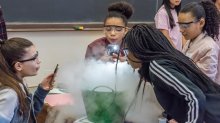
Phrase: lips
x=37 y=68
x=113 y=40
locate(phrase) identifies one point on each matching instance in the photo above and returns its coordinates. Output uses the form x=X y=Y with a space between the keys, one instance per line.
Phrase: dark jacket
x=180 y=97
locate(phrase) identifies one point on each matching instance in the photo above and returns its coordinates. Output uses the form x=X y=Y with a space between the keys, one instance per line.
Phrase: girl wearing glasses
x=115 y=27
x=182 y=89
x=199 y=24
x=19 y=59
x=166 y=22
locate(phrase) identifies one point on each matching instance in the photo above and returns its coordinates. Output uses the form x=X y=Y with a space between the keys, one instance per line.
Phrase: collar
x=197 y=39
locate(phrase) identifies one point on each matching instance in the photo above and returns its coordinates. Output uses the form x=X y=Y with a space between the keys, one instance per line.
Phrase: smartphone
x=54 y=73
x=112 y=48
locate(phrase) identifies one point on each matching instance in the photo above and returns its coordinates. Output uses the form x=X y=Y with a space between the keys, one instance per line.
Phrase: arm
x=97 y=52
x=179 y=87
x=8 y=104
x=43 y=89
x=38 y=99
x=166 y=34
x=162 y=23
x=88 y=54
x=209 y=63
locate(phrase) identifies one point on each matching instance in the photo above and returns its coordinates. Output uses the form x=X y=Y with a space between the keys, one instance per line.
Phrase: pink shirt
x=218 y=74
x=162 y=22
x=204 y=52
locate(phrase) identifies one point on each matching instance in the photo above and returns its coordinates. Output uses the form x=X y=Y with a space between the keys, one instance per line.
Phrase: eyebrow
x=32 y=58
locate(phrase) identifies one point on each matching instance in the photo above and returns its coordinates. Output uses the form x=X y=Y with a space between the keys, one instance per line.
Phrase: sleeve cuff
x=40 y=92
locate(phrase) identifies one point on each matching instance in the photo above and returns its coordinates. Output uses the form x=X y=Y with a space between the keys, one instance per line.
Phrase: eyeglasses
x=185 y=25
x=30 y=59
x=125 y=50
x=110 y=28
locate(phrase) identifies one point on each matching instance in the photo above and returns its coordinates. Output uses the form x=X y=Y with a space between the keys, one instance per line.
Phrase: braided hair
x=147 y=44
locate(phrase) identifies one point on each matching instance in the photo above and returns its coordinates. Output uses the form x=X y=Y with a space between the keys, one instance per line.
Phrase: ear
x=202 y=22
x=18 y=66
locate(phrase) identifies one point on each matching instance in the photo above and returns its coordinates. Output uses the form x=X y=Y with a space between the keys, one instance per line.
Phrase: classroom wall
x=62 y=47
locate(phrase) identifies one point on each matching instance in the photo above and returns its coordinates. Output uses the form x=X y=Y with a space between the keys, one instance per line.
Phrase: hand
x=107 y=58
x=121 y=58
x=47 y=84
x=172 y=121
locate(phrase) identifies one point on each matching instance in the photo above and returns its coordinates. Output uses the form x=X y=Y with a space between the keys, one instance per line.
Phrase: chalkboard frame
x=36 y=27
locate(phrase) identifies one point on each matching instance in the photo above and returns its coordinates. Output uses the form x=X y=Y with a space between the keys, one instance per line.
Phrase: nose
x=181 y=30
x=113 y=32
x=38 y=61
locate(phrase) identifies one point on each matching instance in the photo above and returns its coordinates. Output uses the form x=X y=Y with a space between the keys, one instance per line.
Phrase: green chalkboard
x=65 y=11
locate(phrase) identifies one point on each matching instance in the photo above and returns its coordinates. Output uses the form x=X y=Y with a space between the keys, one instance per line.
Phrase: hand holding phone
x=54 y=74
x=112 y=49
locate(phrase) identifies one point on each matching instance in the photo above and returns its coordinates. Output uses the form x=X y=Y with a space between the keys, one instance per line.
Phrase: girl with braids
x=199 y=24
x=166 y=22
x=115 y=27
x=182 y=89
x=19 y=59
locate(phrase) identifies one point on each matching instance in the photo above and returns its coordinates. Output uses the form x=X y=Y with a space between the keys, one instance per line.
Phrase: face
x=133 y=61
x=29 y=64
x=189 y=26
x=174 y=3
x=114 y=30
x=217 y=3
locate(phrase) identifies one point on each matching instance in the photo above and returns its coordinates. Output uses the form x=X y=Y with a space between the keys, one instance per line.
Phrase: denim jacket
x=9 y=107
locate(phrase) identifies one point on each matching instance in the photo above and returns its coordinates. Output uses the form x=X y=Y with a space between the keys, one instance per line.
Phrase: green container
x=104 y=107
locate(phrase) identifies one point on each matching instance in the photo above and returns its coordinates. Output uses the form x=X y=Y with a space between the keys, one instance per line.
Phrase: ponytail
x=212 y=19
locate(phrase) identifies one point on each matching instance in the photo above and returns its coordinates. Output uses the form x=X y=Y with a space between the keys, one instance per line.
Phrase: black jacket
x=180 y=97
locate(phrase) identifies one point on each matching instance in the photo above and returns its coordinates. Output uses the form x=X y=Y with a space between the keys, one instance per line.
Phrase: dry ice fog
x=102 y=77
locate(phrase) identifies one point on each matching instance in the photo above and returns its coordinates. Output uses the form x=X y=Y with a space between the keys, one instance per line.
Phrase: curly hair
x=121 y=10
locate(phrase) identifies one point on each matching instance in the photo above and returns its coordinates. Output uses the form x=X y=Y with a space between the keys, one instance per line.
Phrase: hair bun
x=122 y=7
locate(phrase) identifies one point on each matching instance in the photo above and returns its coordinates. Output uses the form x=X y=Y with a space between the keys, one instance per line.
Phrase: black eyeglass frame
x=186 y=24
x=30 y=59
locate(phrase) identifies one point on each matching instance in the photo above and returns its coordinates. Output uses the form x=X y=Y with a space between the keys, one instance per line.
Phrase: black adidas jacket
x=180 y=97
